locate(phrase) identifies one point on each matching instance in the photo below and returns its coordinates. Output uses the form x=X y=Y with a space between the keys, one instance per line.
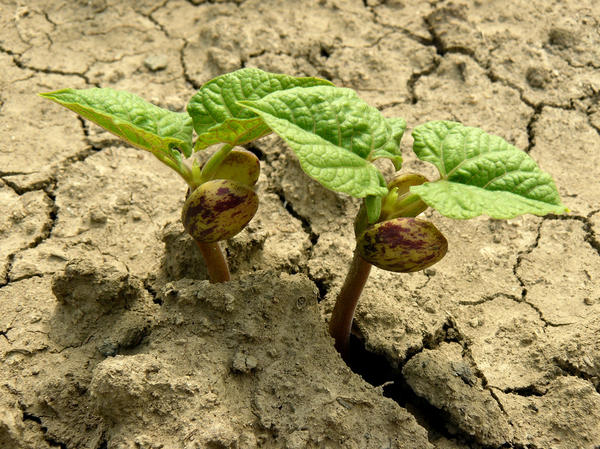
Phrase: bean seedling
x=336 y=137
x=221 y=200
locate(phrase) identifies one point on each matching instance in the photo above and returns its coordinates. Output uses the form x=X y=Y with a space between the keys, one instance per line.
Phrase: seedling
x=221 y=200
x=336 y=137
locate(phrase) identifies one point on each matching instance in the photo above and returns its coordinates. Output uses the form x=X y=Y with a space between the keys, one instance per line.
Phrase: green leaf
x=373 y=207
x=131 y=118
x=218 y=117
x=398 y=126
x=333 y=132
x=234 y=132
x=481 y=174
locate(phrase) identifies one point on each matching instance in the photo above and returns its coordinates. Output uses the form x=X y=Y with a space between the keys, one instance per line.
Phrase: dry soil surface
x=112 y=338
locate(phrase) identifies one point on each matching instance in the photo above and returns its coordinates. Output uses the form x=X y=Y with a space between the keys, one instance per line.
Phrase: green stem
x=409 y=205
x=213 y=163
x=180 y=166
x=216 y=264
x=340 y=325
x=342 y=316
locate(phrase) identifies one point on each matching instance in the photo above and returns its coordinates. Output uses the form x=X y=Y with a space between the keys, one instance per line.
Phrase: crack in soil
x=4 y=333
x=186 y=75
x=516 y=267
x=39 y=185
x=595 y=100
x=590 y=238
x=537 y=112
x=20 y=64
x=490 y=298
x=215 y=2
x=313 y=237
x=468 y=354
x=26 y=352
x=25 y=277
x=588 y=229
x=312 y=60
x=36 y=419
x=9 y=264
x=528 y=391
x=567 y=367
x=156 y=299
x=45 y=233
x=415 y=77
x=377 y=370
x=306 y=226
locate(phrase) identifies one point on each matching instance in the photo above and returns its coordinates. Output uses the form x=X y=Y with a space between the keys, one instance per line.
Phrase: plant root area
x=111 y=337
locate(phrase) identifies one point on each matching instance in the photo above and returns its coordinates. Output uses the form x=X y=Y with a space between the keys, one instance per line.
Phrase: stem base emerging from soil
x=216 y=264
x=342 y=316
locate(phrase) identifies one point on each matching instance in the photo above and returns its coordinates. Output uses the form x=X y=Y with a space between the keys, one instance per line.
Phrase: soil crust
x=112 y=338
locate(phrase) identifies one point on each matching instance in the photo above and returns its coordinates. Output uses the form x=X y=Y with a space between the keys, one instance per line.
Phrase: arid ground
x=112 y=338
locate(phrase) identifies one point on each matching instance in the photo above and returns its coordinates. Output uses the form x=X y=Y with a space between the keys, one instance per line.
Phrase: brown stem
x=345 y=305
x=216 y=264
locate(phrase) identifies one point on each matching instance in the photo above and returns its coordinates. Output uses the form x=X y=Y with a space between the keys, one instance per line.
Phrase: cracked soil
x=112 y=338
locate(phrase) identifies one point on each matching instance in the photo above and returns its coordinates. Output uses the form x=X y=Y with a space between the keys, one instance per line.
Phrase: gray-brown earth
x=110 y=336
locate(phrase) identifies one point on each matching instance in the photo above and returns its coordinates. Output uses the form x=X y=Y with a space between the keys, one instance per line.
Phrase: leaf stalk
x=213 y=163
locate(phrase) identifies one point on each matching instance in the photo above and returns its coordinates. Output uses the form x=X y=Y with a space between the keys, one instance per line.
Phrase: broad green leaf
x=131 y=118
x=481 y=174
x=398 y=126
x=334 y=133
x=234 y=132
x=218 y=117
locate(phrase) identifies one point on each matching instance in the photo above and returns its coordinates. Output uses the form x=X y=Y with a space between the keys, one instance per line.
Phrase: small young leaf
x=334 y=133
x=398 y=126
x=131 y=118
x=234 y=132
x=373 y=207
x=481 y=174
x=218 y=117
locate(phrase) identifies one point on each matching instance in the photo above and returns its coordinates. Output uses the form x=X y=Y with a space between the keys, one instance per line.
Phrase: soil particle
x=243 y=363
x=154 y=63
x=537 y=77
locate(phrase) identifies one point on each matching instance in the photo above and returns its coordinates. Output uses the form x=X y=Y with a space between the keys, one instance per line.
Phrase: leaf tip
x=48 y=95
x=54 y=95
